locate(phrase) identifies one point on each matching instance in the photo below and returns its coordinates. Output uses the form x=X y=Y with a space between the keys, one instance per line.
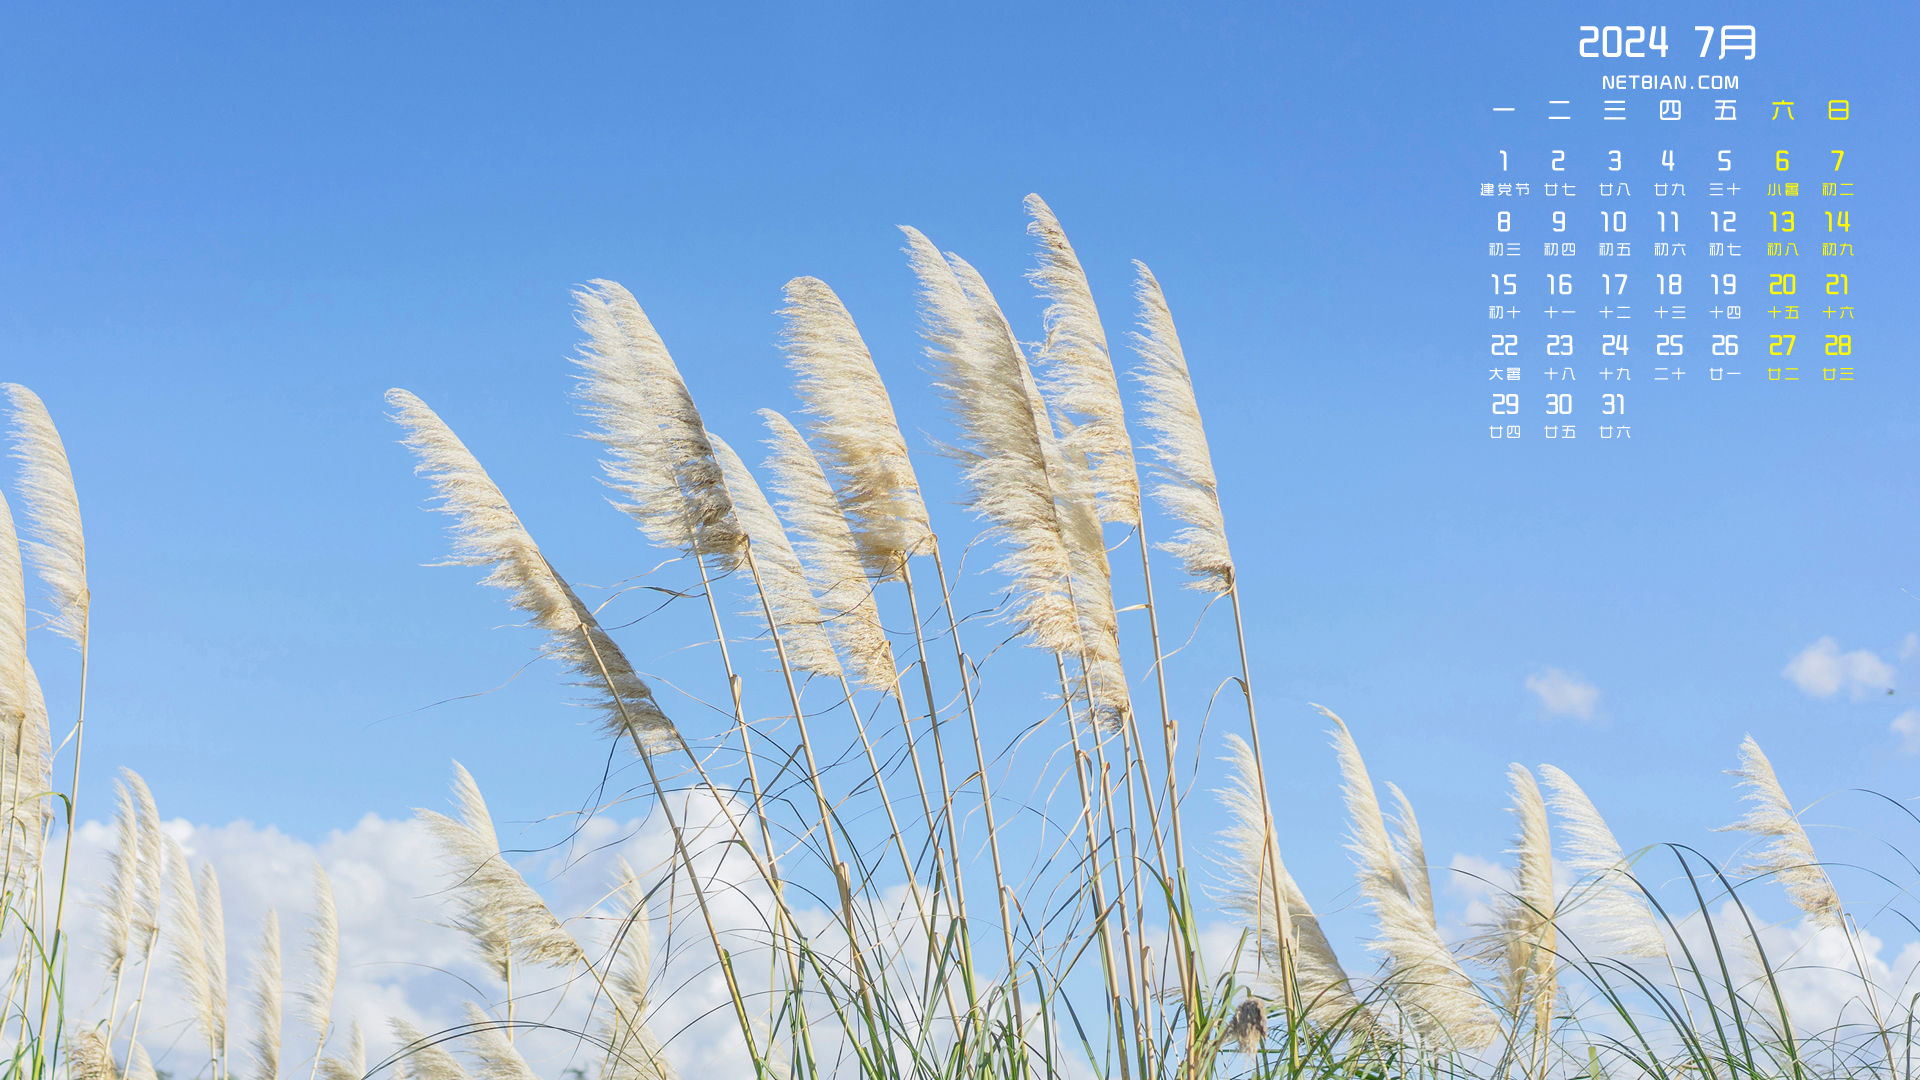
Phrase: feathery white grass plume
x=1788 y=853
x=139 y=1065
x=661 y=459
x=424 y=1056
x=58 y=546
x=1522 y=945
x=1618 y=920
x=1080 y=370
x=831 y=555
x=1066 y=477
x=783 y=581
x=855 y=433
x=90 y=1058
x=13 y=631
x=266 y=1000
x=214 y=934
x=323 y=952
x=1190 y=493
x=26 y=775
x=354 y=1065
x=488 y=533
x=25 y=753
x=1412 y=852
x=148 y=910
x=120 y=897
x=984 y=378
x=635 y=1052
x=1427 y=982
x=502 y=913
x=1276 y=910
x=632 y=944
x=488 y=1042
x=1043 y=469
x=189 y=948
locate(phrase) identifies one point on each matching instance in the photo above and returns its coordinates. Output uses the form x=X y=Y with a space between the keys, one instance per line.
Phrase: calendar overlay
x=1663 y=226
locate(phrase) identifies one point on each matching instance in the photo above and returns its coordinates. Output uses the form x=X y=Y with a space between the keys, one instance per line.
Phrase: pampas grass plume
x=354 y=1065
x=1426 y=979
x=214 y=937
x=120 y=897
x=1080 y=370
x=855 y=432
x=1190 y=494
x=149 y=911
x=323 y=952
x=662 y=461
x=503 y=914
x=58 y=546
x=830 y=553
x=1275 y=910
x=424 y=1056
x=1524 y=938
x=189 y=948
x=1787 y=853
x=494 y=1050
x=488 y=533
x=266 y=999
x=783 y=582
x=90 y=1058
x=990 y=394
x=1620 y=921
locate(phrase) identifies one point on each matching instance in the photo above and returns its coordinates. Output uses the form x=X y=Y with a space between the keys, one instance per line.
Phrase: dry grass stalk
x=1787 y=853
x=854 y=430
x=488 y=533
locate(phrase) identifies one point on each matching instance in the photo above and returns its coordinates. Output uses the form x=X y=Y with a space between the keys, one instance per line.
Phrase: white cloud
x=1821 y=670
x=1564 y=694
x=1910 y=648
x=1907 y=726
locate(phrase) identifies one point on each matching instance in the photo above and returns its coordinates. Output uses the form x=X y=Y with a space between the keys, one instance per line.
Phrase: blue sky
x=229 y=229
